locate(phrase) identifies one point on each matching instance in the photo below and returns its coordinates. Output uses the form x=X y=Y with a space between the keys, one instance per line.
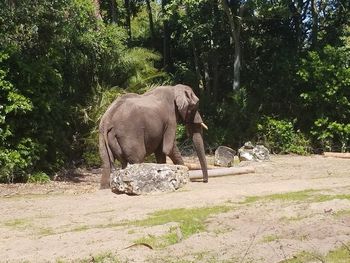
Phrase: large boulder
x=137 y=179
x=249 y=152
x=224 y=156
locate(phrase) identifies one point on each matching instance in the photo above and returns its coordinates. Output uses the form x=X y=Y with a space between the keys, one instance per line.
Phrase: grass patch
x=100 y=212
x=202 y=257
x=80 y=228
x=107 y=257
x=302 y=257
x=190 y=221
x=270 y=238
x=293 y=218
x=46 y=232
x=102 y=258
x=285 y=197
x=160 y=241
x=339 y=255
x=19 y=223
x=306 y=195
x=342 y=213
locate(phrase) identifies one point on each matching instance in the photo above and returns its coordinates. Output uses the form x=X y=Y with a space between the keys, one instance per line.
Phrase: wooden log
x=197 y=174
x=337 y=155
x=197 y=166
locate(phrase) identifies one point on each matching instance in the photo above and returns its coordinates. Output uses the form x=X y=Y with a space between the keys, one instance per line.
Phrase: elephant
x=135 y=126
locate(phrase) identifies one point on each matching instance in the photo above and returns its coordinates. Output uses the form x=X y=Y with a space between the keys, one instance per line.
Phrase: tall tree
x=127 y=7
x=113 y=10
x=166 y=37
x=234 y=15
x=97 y=9
x=151 y=24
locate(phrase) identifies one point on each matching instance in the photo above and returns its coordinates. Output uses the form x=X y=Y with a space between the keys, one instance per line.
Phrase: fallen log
x=197 y=174
x=197 y=166
x=337 y=155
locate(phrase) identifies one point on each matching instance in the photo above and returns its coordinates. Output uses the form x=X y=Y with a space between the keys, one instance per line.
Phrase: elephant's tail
x=106 y=156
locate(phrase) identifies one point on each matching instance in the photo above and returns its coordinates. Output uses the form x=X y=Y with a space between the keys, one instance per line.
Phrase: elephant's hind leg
x=160 y=156
x=117 y=152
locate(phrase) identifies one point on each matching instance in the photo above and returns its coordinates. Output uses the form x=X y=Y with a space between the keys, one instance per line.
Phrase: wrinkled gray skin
x=135 y=126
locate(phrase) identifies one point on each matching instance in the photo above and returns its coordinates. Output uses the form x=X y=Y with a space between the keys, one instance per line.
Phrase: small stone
x=261 y=153
x=250 y=153
x=144 y=178
x=224 y=156
x=248 y=145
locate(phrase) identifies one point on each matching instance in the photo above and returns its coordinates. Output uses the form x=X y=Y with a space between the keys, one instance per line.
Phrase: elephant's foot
x=104 y=186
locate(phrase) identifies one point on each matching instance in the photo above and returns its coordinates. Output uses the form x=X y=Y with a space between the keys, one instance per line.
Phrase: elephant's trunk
x=197 y=137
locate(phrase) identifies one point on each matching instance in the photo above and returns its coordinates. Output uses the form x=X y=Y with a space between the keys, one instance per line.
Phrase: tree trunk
x=128 y=18
x=207 y=83
x=314 y=32
x=166 y=39
x=151 y=24
x=97 y=9
x=113 y=10
x=235 y=26
x=196 y=65
x=215 y=85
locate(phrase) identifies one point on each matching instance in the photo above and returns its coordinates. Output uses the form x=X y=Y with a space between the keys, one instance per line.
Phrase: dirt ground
x=290 y=205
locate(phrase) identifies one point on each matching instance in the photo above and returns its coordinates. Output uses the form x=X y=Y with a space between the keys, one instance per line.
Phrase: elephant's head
x=187 y=106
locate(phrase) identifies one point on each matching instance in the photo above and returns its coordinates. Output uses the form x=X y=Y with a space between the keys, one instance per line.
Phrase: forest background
x=270 y=71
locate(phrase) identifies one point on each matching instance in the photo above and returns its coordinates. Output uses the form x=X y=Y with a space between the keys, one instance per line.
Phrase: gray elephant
x=135 y=126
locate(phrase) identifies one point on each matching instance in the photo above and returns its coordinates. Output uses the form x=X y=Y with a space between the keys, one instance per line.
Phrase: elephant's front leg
x=175 y=155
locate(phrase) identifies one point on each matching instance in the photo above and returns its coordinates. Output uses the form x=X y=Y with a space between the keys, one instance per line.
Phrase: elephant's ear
x=185 y=100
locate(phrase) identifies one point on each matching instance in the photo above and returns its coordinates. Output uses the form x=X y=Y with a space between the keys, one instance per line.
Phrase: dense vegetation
x=270 y=71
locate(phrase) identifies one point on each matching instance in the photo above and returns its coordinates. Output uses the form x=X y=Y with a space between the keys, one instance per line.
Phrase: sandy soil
x=73 y=220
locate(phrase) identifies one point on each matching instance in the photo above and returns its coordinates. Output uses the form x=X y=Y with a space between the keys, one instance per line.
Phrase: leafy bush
x=325 y=80
x=331 y=135
x=280 y=137
x=39 y=177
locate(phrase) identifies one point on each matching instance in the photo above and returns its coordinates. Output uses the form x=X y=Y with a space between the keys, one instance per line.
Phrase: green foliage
x=55 y=59
x=15 y=154
x=280 y=136
x=39 y=177
x=330 y=134
x=61 y=65
x=181 y=133
x=325 y=77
